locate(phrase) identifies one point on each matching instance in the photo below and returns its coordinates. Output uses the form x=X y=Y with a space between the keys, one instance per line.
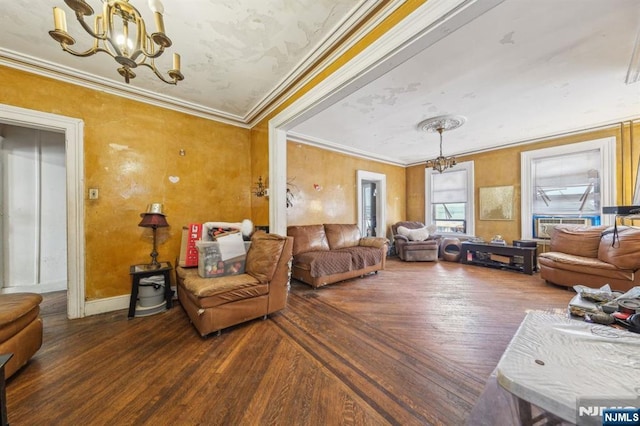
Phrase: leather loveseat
x=325 y=254
x=213 y=304
x=592 y=256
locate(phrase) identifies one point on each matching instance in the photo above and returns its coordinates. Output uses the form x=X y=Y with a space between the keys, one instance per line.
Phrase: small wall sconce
x=261 y=190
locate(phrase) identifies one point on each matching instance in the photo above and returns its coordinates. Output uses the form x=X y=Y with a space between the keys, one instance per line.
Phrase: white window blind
x=449 y=187
x=567 y=183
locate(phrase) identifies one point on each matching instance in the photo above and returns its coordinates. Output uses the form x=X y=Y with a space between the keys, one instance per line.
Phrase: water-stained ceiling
x=518 y=70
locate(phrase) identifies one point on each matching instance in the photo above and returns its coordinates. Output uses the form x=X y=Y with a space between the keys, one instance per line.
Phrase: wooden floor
x=413 y=344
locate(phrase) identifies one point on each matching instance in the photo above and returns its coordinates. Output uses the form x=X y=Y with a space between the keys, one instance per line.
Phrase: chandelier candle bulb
x=156 y=6
x=159 y=22
x=59 y=19
x=176 y=62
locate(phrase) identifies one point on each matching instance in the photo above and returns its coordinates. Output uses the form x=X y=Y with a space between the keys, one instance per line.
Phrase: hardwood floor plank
x=413 y=344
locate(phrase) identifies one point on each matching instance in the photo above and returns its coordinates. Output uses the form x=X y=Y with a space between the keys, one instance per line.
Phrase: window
x=449 y=199
x=567 y=184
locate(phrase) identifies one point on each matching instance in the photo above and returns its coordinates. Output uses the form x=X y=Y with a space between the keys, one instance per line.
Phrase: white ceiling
x=519 y=71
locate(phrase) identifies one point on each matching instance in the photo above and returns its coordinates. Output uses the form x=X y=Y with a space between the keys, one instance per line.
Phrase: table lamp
x=153 y=218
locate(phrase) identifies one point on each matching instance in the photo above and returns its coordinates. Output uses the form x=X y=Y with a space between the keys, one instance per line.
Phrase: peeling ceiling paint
x=522 y=70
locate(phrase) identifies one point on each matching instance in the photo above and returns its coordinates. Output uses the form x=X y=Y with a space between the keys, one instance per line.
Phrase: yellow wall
x=335 y=199
x=335 y=178
x=502 y=168
x=131 y=149
x=260 y=168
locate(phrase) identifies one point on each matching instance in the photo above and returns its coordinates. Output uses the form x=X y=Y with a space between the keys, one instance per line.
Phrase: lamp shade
x=153 y=220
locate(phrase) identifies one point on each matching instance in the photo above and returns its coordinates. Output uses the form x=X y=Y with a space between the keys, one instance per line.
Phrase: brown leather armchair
x=213 y=304
x=415 y=250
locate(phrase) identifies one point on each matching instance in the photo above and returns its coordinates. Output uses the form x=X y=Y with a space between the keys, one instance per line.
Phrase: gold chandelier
x=121 y=33
x=440 y=124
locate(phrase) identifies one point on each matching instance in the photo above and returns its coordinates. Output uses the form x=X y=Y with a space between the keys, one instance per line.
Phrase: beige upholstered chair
x=411 y=247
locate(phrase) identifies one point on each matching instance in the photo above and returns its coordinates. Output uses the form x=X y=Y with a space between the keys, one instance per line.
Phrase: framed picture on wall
x=496 y=203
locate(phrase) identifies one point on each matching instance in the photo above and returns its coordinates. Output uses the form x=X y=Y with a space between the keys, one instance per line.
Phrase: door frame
x=73 y=130
x=423 y=27
x=381 y=200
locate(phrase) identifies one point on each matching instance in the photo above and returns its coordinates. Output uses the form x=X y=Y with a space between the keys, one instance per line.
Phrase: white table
x=553 y=360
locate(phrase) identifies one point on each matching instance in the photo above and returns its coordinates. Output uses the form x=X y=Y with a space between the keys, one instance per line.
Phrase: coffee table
x=552 y=361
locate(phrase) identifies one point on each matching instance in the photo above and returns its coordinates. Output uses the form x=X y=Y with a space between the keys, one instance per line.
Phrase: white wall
x=34 y=249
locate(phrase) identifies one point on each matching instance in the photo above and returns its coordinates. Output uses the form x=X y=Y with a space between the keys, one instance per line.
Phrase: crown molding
x=33 y=65
x=291 y=83
x=569 y=132
x=262 y=108
x=335 y=147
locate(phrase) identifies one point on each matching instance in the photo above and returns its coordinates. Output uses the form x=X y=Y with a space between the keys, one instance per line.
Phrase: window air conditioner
x=544 y=225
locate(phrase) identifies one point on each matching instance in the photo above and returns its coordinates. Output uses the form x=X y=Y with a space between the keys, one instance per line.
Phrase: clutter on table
x=605 y=306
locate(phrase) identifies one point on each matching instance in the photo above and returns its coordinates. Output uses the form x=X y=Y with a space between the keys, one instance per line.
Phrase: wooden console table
x=480 y=254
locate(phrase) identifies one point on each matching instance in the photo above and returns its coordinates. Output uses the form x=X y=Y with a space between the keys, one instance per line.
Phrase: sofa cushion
x=342 y=235
x=263 y=255
x=577 y=240
x=622 y=250
x=308 y=238
x=17 y=310
x=377 y=242
x=363 y=257
x=419 y=234
x=231 y=287
x=323 y=263
x=584 y=265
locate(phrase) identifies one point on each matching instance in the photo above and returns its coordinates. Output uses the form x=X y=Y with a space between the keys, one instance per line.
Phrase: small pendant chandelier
x=440 y=124
x=120 y=32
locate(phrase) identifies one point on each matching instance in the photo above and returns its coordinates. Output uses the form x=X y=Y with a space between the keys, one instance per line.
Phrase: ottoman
x=451 y=248
x=20 y=328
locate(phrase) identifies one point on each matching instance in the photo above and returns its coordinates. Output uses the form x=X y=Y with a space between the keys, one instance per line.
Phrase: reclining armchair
x=415 y=242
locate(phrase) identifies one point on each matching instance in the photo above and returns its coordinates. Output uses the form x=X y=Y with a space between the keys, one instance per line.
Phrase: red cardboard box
x=188 y=249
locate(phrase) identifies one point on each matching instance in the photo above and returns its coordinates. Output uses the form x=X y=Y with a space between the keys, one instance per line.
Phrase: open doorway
x=73 y=132
x=33 y=229
x=372 y=196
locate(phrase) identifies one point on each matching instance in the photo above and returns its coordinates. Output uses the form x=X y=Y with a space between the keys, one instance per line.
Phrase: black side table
x=138 y=272
x=4 y=358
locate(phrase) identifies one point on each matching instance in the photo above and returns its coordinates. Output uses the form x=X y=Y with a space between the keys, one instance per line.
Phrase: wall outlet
x=93 y=193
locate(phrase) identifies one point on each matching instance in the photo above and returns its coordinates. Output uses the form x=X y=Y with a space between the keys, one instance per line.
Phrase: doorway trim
x=381 y=200
x=73 y=130
x=423 y=27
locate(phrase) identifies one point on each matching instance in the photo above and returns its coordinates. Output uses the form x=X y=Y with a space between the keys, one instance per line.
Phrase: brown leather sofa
x=20 y=328
x=415 y=250
x=325 y=254
x=213 y=304
x=592 y=256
